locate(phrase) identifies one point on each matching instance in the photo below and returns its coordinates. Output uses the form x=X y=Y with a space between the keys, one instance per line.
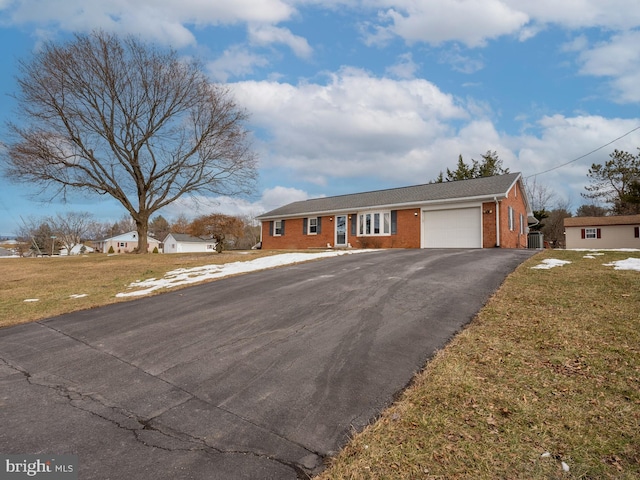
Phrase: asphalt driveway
x=257 y=376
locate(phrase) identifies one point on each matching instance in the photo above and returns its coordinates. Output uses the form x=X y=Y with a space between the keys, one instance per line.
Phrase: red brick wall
x=489 y=234
x=513 y=238
x=408 y=235
x=294 y=238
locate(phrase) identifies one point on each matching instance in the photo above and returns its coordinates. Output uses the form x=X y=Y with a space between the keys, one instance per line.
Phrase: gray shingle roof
x=488 y=187
x=184 y=237
x=613 y=220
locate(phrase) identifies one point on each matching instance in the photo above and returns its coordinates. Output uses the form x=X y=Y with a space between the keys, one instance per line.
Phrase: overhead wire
x=585 y=155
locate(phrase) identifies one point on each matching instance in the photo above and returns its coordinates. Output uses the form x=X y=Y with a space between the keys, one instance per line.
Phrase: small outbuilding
x=621 y=231
x=483 y=212
x=184 y=243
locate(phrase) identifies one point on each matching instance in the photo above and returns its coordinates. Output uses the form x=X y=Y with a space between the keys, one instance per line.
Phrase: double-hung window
x=590 y=233
x=374 y=223
x=313 y=226
x=277 y=228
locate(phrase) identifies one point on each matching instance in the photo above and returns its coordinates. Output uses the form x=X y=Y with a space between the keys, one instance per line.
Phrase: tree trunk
x=142 y=225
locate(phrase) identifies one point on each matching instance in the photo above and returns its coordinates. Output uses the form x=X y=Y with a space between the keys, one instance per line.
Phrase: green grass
x=551 y=364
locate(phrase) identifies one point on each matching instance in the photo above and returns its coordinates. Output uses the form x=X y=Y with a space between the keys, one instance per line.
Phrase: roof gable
x=484 y=187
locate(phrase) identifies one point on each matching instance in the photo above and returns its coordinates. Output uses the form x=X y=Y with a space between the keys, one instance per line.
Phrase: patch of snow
x=78 y=295
x=565 y=467
x=545 y=455
x=31 y=300
x=550 y=263
x=588 y=256
x=628 y=264
x=185 y=276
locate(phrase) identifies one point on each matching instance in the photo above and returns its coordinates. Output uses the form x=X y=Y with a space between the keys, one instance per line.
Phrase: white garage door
x=456 y=228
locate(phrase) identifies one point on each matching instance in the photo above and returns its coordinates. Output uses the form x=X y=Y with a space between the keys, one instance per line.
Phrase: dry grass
x=53 y=280
x=551 y=364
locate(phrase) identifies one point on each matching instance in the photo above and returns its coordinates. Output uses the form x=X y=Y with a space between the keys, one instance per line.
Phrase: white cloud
x=268 y=34
x=461 y=63
x=366 y=130
x=472 y=22
x=578 y=44
x=355 y=123
x=404 y=68
x=561 y=139
x=236 y=61
x=271 y=198
x=574 y=14
x=619 y=59
x=159 y=20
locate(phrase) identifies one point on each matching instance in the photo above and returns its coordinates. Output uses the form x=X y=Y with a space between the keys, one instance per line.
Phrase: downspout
x=495 y=199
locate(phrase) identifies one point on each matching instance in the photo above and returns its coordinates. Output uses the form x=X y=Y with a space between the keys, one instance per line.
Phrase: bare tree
x=38 y=234
x=540 y=196
x=113 y=116
x=180 y=224
x=553 y=228
x=221 y=228
x=70 y=228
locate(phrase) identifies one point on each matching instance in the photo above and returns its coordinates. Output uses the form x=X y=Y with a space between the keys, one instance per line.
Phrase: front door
x=341 y=230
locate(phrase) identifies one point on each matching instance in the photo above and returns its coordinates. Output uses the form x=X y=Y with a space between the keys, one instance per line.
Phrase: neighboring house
x=479 y=213
x=126 y=242
x=621 y=231
x=76 y=250
x=183 y=243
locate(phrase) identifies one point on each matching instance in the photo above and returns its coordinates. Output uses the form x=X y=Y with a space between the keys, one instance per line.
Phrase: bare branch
x=114 y=116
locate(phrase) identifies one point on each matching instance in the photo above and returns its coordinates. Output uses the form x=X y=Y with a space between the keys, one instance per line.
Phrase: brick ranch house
x=622 y=231
x=479 y=213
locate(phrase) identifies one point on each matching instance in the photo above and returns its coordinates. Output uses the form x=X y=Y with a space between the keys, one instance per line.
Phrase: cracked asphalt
x=259 y=376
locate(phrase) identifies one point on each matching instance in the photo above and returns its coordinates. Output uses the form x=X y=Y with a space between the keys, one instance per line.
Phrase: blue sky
x=354 y=95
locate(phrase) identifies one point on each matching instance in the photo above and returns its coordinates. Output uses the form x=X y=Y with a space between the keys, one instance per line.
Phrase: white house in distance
x=184 y=243
x=77 y=249
x=622 y=231
x=126 y=242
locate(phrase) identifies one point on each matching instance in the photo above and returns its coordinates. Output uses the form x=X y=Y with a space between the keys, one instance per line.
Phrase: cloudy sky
x=354 y=95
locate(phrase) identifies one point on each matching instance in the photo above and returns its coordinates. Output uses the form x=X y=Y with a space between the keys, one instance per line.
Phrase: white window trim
x=275 y=228
x=511 y=219
x=521 y=224
x=315 y=225
x=383 y=218
x=590 y=233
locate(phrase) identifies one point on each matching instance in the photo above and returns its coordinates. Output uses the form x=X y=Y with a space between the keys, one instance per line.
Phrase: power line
x=585 y=155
